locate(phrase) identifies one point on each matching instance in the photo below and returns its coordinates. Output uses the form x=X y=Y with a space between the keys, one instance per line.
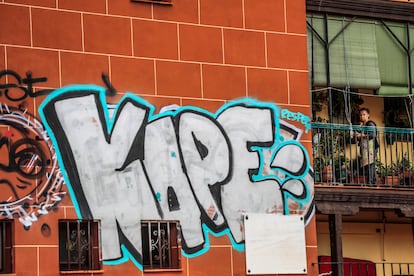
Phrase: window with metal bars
x=79 y=245
x=164 y=2
x=160 y=248
x=6 y=246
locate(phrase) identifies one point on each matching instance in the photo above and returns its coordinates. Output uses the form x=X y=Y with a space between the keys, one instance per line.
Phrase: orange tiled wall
x=194 y=52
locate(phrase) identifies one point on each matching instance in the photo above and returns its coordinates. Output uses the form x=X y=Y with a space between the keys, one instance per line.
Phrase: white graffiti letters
x=111 y=195
x=168 y=181
x=126 y=164
x=245 y=128
x=206 y=155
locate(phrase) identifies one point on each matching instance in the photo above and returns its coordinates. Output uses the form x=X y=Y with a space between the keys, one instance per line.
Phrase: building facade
x=360 y=55
x=167 y=137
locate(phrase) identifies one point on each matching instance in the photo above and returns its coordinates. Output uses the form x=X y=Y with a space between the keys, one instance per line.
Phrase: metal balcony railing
x=337 y=156
x=367 y=269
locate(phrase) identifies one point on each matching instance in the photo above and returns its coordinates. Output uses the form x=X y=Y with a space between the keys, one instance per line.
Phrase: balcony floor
x=348 y=200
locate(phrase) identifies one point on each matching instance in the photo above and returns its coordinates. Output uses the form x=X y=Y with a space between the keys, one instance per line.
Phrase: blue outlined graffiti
x=124 y=163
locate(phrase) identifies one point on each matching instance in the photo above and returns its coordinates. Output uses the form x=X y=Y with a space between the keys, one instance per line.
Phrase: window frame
x=6 y=246
x=93 y=248
x=172 y=237
x=394 y=33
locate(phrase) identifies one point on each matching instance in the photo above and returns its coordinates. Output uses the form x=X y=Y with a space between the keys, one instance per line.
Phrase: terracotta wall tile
x=296 y=16
x=302 y=122
x=184 y=266
x=42 y=63
x=305 y=110
x=299 y=87
x=98 y=6
x=180 y=11
x=39 y=3
x=209 y=105
x=219 y=256
x=43 y=231
x=308 y=145
x=159 y=102
x=26 y=105
x=178 y=79
x=127 y=268
x=267 y=85
x=287 y=51
x=133 y=75
x=56 y=29
x=201 y=43
x=15 y=25
x=32 y=103
x=83 y=68
x=25 y=261
x=239 y=263
x=107 y=34
x=223 y=240
x=310 y=232
x=244 y=47
x=306 y=138
x=223 y=82
x=155 y=39
x=4 y=152
x=66 y=201
x=48 y=260
x=298 y=108
x=312 y=260
x=265 y=14
x=115 y=99
x=2 y=62
x=129 y=8
x=227 y=13
x=70 y=212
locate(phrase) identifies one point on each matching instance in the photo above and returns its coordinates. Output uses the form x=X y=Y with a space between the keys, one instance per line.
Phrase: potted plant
x=381 y=171
x=404 y=169
x=354 y=168
x=318 y=165
x=330 y=162
x=341 y=165
x=404 y=166
x=322 y=169
x=391 y=175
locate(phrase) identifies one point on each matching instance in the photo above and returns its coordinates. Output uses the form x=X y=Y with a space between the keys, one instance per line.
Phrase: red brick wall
x=194 y=52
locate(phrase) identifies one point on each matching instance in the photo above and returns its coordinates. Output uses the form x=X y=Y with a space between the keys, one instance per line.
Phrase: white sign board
x=275 y=244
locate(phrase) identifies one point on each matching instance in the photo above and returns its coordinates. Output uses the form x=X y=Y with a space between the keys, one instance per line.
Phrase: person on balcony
x=368 y=144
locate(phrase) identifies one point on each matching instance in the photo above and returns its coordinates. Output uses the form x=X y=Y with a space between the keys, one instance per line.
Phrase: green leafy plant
x=380 y=168
x=328 y=149
x=403 y=164
x=391 y=169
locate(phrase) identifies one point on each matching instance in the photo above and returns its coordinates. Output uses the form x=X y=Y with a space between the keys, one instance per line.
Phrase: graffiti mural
x=124 y=163
x=17 y=88
x=30 y=180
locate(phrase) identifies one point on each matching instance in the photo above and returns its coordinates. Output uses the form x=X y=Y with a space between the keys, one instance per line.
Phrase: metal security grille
x=160 y=248
x=79 y=245
x=6 y=247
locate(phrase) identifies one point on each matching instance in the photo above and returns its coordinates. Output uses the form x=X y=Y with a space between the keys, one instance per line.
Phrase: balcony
x=353 y=268
x=337 y=157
